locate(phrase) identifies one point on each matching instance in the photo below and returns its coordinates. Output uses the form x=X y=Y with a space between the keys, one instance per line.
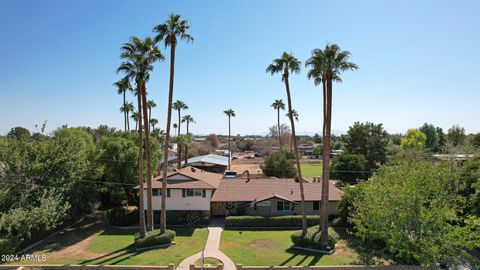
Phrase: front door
x=218 y=208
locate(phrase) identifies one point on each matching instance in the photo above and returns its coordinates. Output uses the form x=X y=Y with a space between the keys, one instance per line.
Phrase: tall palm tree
x=230 y=113
x=326 y=67
x=295 y=116
x=179 y=106
x=279 y=105
x=123 y=85
x=153 y=122
x=139 y=57
x=130 y=108
x=187 y=119
x=135 y=118
x=285 y=65
x=169 y=31
x=150 y=105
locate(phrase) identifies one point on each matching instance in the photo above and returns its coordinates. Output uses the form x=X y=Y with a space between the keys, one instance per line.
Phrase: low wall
x=86 y=267
x=340 y=267
x=218 y=267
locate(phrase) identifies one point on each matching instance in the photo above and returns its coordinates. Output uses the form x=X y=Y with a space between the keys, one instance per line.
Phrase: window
x=316 y=205
x=193 y=193
x=156 y=192
x=284 y=206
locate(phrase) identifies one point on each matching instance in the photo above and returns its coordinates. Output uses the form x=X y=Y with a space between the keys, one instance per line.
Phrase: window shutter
x=204 y=193
x=183 y=193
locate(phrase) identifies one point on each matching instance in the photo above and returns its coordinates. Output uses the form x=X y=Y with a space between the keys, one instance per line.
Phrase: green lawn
x=100 y=245
x=309 y=171
x=273 y=247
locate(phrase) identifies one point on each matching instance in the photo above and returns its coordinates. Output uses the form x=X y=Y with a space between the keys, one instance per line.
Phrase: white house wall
x=177 y=202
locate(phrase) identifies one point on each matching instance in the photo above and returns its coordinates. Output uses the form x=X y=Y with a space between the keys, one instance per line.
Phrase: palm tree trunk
x=149 y=160
x=278 y=125
x=186 y=147
x=149 y=114
x=141 y=208
x=179 y=147
x=229 y=145
x=326 y=168
x=124 y=112
x=163 y=226
x=128 y=121
x=295 y=147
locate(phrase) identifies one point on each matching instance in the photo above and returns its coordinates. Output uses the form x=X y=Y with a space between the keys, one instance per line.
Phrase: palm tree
x=326 y=67
x=139 y=57
x=295 y=116
x=135 y=118
x=178 y=106
x=287 y=64
x=123 y=85
x=230 y=113
x=150 y=105
x=168 y=32
x=187 y=119
x=153 y=122
x=130 y=108
x=279 y=105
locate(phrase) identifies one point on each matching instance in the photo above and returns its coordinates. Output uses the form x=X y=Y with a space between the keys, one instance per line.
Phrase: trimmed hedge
x=121 y=216
x=154 y=238
x=277 y=221
x=312 y=238
x=190 y=217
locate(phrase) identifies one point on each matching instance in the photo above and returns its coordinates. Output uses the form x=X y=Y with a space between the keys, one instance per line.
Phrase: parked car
x=258 y=154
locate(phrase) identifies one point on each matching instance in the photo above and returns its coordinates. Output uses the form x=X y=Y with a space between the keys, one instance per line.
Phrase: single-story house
x=191 y=188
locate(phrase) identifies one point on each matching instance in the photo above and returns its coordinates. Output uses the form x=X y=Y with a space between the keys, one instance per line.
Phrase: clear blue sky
x=419 y=61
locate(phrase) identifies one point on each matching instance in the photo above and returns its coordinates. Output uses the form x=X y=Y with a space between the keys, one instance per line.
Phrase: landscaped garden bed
x=293 y=221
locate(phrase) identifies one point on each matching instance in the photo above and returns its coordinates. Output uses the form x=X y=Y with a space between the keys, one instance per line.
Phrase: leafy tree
x=229 y=113
x=409 y=210
x=414 y=139
x=169 y=31
x=279 y=164
x=326 y=67
x=369 y=140
x=349 y=168
x=317 y=138
x=285 y=65
x=273 y=130
x=345 y=207
x=442 y=140
x=317 y=152
x=456 y=135
x=476 y=140
x=212 y=140
x=430 y=132
x=20 y=133
x=468 y=185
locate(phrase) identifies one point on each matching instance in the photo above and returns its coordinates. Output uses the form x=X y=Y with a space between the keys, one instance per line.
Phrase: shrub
x=278 y=221
x=193 y=218
x=312 y=238
x=279 y=164
x=121 y=216
x=154 y=238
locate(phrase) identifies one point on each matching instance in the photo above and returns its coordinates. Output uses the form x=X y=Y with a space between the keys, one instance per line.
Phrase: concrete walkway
x=212 y=248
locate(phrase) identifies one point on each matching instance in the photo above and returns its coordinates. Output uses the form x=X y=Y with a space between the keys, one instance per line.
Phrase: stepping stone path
x=212 y=248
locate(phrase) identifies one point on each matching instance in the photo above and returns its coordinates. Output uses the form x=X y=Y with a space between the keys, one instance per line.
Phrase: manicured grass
x=209 y=261
x=273 y=247
x=108 y=246
x=309 y=171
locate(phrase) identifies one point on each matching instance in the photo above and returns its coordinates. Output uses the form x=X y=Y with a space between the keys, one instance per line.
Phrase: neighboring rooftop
x=210 y=158
x=189 y=177
x=260 y=189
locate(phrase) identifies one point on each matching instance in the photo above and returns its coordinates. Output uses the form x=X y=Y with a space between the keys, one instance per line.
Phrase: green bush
x=154 y=238
x=278 y=221
x=312 y=238
x=193 y=218
x=121 y=216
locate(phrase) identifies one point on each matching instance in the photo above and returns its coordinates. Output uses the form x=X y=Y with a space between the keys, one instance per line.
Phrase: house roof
x=210 y=158
x=189 y=177
x=262 y=189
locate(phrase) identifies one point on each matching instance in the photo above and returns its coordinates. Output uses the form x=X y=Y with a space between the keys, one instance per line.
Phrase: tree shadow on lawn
x=368 y=253
x=306 y=255
x=69 y=236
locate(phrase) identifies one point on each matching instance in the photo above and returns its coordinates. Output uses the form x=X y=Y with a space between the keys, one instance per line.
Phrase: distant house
x=210 y=163
x=193 y=189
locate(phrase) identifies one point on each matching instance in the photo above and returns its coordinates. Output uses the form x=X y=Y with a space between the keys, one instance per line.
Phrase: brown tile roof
x=244 y=191
x=195 y=178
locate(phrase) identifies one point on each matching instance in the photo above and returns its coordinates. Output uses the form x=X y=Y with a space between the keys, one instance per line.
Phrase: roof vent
x=193 y=169
x=230 y=175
